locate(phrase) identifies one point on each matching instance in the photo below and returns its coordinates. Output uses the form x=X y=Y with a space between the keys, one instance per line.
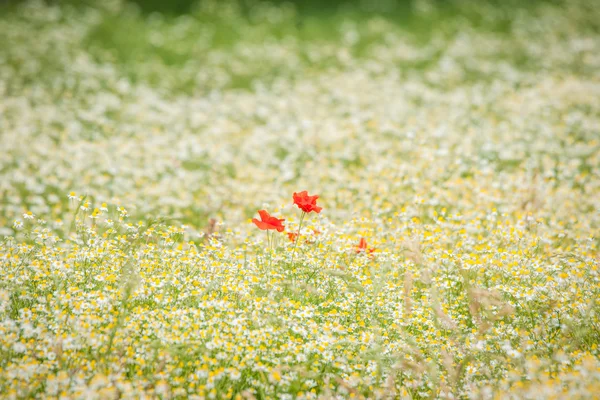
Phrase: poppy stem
x=270 y=248
x=297 y=237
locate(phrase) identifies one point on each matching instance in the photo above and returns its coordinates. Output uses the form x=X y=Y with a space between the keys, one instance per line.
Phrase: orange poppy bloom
x=362 y=246
x=268 y=222
x=292 y=236
x=306 y=203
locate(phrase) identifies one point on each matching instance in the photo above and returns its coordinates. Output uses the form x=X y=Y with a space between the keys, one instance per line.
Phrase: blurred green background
x=195 y=46
x=303 y=7
x=178 y=7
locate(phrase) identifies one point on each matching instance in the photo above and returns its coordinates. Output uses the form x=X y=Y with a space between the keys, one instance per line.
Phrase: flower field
x=270 y=204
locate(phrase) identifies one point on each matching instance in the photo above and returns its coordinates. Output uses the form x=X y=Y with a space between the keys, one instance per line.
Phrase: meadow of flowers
x=452 y=251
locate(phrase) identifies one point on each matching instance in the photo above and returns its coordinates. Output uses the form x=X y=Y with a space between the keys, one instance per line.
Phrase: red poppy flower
x=292 y=236
x=362 y=246
x=268 y=222
x=306 y=203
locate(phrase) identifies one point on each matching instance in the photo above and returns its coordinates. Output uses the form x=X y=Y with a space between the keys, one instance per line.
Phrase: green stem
x=270 y=248
x=297 y=237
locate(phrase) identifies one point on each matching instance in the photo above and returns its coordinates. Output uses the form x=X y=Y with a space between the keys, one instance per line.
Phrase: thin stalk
x=270 y=248
x=297 y=237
